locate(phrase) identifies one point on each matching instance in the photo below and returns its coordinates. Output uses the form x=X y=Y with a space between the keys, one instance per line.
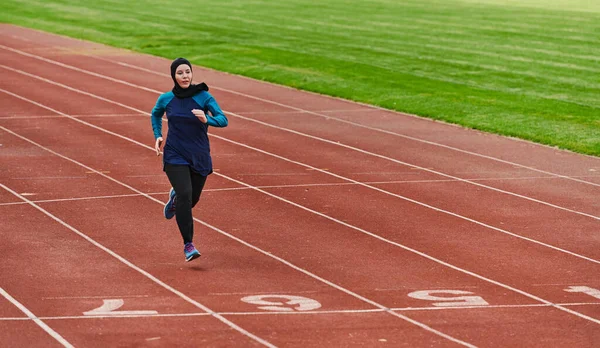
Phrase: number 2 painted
x=449 y=301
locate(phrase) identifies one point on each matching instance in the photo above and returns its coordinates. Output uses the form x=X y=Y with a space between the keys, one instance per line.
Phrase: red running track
x=326 y=223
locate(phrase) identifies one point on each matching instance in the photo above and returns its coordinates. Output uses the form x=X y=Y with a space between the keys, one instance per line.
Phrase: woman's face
x=183 y=75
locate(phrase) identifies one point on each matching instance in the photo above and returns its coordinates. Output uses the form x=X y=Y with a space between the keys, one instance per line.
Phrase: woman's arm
x=216 y=118
x=156 y=116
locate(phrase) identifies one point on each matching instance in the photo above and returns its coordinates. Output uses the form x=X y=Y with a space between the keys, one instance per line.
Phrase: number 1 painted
x=109 y=306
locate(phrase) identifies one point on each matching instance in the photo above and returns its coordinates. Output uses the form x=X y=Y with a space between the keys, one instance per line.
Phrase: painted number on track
x=109 y=308
x=282 y=303
x=585 y=289
x=449 y=301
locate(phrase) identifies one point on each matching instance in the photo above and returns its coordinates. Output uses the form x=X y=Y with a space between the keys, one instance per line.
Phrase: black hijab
x=192 y=89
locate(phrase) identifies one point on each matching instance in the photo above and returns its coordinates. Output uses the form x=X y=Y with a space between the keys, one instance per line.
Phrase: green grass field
x=523 y=68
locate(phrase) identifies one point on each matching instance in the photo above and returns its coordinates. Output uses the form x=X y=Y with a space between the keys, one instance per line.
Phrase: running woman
x=190 y=109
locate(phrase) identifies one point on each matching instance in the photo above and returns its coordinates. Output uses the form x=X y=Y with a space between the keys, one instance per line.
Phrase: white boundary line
x=524 y=293
x=314 y=276
x=14 y=117
x=312 y=312
x=38 y=321
x=307 y=166
x=261 y=187
x=129 y=264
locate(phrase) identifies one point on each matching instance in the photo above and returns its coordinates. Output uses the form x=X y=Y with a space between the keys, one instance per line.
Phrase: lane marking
x=58 y=116
x=47 y=177
x=92 y=297
x=82 y=198
x=297 y=112
x=140 y=270
x=321 y=312
x=246 y=293
x=38 y=321
x=260 y=186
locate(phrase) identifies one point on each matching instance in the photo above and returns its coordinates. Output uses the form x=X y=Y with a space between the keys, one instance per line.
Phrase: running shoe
x=169 y=209
x=190 y=252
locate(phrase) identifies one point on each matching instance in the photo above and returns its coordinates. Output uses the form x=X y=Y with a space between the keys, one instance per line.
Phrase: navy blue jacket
x=187 y=139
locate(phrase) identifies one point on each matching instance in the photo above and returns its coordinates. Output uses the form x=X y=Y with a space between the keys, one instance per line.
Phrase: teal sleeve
x=216 y=118
x=158 y=112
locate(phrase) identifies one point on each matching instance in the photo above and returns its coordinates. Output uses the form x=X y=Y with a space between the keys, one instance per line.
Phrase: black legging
x=188 y=186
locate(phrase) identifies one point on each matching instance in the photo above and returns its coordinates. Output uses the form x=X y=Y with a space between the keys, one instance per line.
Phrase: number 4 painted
x=586 y=290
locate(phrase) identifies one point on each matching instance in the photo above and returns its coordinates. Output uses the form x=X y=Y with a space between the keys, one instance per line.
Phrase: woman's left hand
x=200 y=114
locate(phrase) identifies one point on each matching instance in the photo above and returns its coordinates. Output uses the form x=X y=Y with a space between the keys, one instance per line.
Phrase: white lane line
x=260 y=186
x=335 y=143
x=38 y=321
x=93 y=297
x=58 y=116
x=131 y=265
x=300 y=112
x=241 y=241
x=313 y=312
x=47 y=177
x=82 y=198
x=316 y=213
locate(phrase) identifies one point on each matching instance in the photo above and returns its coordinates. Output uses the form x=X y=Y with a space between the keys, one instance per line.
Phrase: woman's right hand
x=158 y=145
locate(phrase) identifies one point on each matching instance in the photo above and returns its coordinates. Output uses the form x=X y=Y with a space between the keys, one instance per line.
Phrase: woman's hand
x=200 y=114
x=157 y=145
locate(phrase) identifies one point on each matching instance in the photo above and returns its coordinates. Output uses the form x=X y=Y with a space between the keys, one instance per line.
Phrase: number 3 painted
x=297 y=303
x=452 y=301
